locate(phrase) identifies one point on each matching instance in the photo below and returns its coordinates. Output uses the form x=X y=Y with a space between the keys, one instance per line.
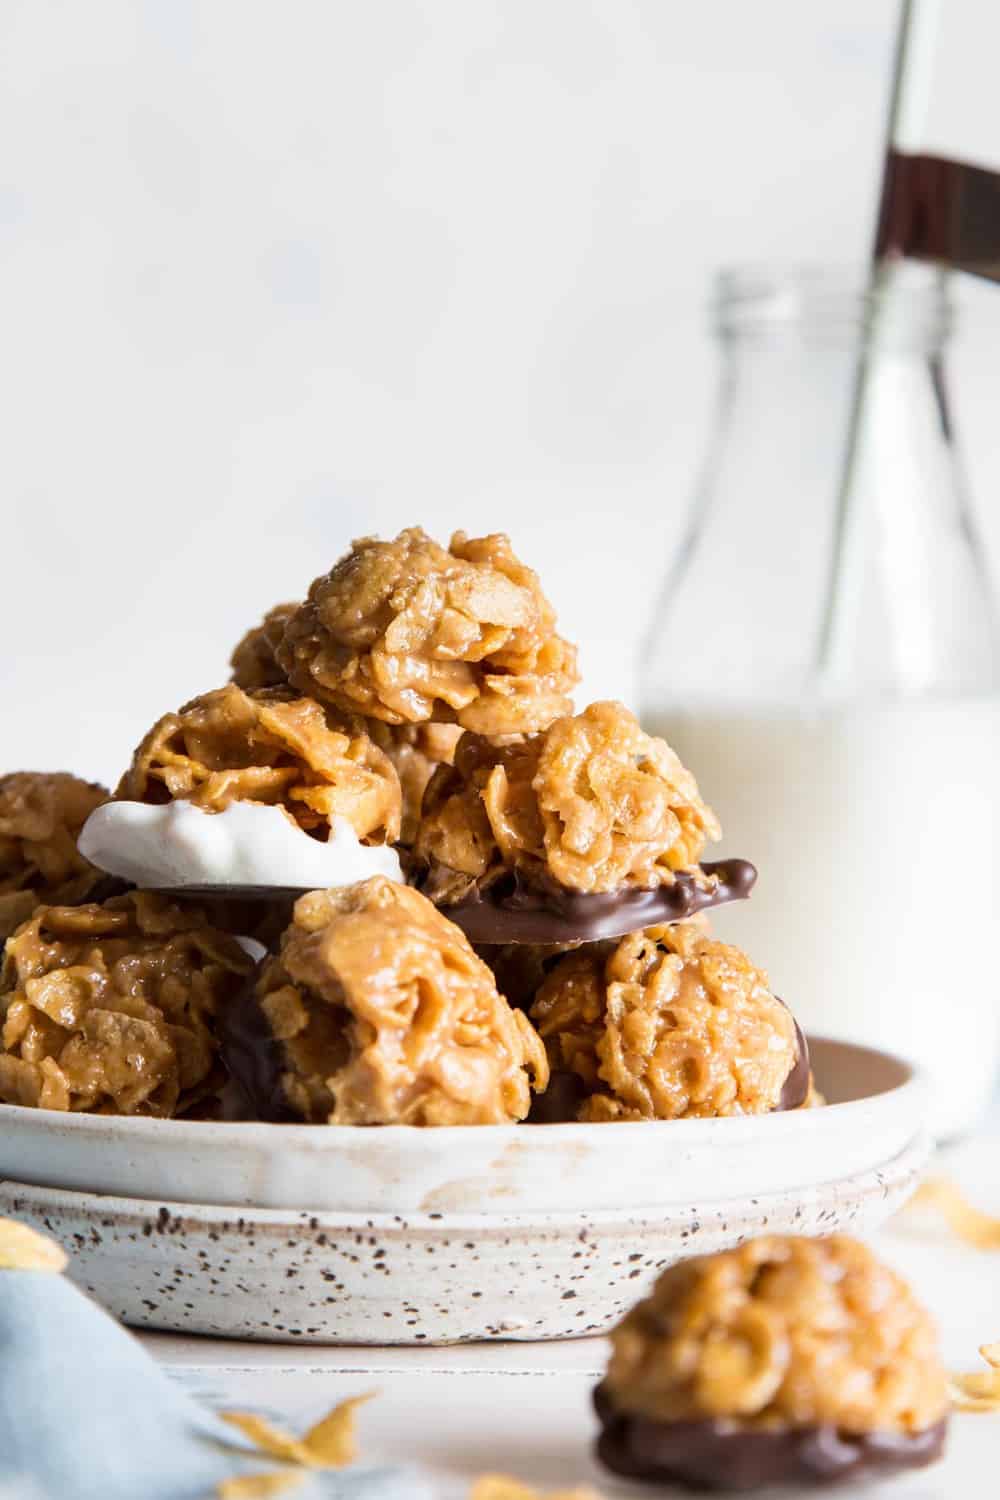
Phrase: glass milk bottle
x=824 y=657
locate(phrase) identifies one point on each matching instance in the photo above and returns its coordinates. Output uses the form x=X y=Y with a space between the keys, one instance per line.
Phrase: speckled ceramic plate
x=411 y=1278
x=877 y=1108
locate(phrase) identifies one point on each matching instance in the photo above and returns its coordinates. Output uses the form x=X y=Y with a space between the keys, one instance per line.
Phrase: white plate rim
x=883 y=1179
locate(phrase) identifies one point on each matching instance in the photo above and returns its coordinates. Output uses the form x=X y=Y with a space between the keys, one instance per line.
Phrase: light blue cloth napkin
x=87 y=1414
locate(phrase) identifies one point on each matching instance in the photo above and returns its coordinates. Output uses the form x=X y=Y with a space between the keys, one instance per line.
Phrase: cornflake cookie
x=376 y=1011
x=267 y=746
x=592 y=804
x=41 y=814
x=668 y=1024
x=254 y=662
x=798 y=1360
x=587 y=830
x=111 y=1008
x=408 y=631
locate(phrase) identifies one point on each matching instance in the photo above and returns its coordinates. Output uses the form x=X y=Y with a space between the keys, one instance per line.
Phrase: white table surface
x=524 y=1409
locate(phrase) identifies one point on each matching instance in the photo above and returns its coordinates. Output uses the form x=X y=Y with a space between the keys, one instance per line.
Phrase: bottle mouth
x=897 y=304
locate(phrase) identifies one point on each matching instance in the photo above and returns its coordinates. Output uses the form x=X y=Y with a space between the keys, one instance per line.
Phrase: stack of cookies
x=387 y=875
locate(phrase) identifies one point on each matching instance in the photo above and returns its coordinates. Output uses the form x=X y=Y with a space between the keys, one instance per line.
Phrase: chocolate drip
x=512 y=911
x=718 y=1454
x=256 y=1063
x=107 y=887
x=253 y=1058
x=795 y=1089
x=558 y=1104
x=258 y=911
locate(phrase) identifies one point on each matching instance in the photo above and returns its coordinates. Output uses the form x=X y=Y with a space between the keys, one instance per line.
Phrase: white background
x=276 y=275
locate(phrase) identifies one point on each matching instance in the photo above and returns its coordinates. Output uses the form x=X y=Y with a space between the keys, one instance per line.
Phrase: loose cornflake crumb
x=332 y=1440
x=979 y=1391
x=504 y=1487
x=24 y=1249
x=328 y=1444
x=270 y=1439
x=260 y=1486
x=966 y=1222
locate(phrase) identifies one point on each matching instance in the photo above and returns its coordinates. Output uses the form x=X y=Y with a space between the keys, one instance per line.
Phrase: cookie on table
x=409 y=631
x=588 y=826
x=667 y=1024
x=268 y=746
x=376 y=1011
x=110 y=1007
x=41 y=814
x=785 y=1360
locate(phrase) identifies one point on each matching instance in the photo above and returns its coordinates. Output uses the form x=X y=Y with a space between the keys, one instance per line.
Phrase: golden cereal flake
x=260 y=1486
x=24 y=1249
x=329 y=1444
x=504 y=1487
x=332 y=1439
x=979 y=1391
x=967 y=1223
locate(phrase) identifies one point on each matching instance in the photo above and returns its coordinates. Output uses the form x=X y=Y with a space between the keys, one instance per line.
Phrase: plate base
x=347 y=1278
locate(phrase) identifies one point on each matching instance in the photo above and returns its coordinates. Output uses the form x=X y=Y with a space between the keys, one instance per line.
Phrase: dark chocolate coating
x=795 y=1089
x=719 y=1454
x=254 y=1060
x=566 y=1091
x=558 y=1103
x=257 y=911
x=107 y=887
x=511 y=911
x=269 y=893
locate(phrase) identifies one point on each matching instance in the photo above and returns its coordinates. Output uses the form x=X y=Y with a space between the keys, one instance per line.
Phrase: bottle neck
x=899 y=310
x=831 y=551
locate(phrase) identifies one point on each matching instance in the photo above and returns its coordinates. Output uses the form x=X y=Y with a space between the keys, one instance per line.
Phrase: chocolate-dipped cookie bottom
x=510 y=910
x=559 y=1103
x=795 y=1089
x=254 y=1059
x=718 y=1454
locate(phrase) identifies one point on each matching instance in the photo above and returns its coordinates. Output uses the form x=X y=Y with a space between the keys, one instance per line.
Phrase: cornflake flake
x=259 y=1486
x=328 y=1444
x=967 y=1223
x=979 y=1391
x=24 y=1249
x=504 y=1487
